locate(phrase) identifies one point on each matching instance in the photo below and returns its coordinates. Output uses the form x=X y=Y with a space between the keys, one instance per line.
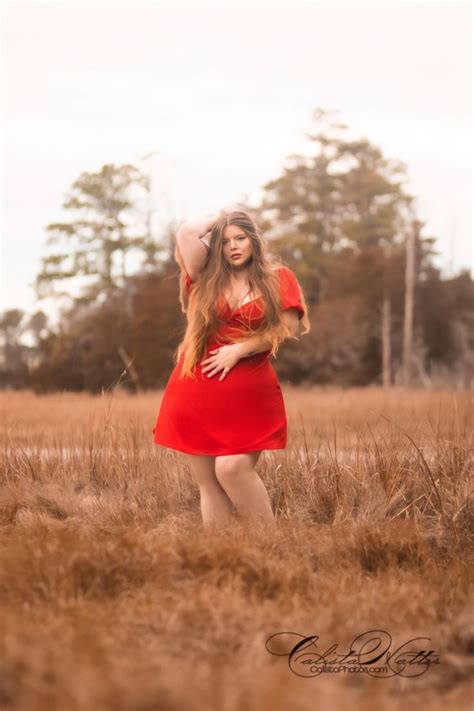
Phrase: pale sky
x=223 y=92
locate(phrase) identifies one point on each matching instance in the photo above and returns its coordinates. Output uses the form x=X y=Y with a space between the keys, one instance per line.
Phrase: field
x=114 y=597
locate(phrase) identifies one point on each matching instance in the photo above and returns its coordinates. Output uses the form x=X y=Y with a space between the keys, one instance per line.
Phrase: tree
x=13 y=353
x=345 y=201
x=106 y=227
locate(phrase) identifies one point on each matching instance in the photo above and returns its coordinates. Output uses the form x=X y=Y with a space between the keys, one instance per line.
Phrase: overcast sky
x=223 y=93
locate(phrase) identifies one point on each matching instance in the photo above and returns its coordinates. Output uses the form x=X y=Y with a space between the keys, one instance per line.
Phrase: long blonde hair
x=200 y=306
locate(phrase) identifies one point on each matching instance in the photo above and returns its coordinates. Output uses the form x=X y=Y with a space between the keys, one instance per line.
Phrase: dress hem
x=220 y=454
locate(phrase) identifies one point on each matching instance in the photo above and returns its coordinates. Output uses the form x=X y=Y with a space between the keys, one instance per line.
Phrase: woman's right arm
x=192 y=249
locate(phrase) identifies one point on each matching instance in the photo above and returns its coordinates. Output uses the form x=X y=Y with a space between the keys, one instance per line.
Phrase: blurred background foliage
x=340 y=217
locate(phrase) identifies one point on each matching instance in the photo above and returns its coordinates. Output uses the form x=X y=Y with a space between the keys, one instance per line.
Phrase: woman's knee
x=231 y=467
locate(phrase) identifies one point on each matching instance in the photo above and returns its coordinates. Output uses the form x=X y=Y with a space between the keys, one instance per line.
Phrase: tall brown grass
x=113 y=596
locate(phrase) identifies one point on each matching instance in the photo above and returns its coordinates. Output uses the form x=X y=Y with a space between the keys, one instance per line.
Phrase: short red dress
x=243 y=412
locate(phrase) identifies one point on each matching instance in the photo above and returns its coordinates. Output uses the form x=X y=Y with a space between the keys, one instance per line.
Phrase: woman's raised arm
x=192 y=238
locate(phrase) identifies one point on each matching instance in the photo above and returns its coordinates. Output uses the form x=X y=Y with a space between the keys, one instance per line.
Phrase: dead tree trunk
x=386 y=340
x=409 y=302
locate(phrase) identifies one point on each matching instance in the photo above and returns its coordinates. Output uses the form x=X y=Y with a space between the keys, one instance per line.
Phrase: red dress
x=243 y=412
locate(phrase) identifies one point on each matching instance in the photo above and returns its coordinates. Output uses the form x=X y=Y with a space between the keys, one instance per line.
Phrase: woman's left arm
x=258 y=344
x=226 y=357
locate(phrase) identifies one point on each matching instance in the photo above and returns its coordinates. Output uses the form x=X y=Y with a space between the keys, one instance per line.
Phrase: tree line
x=340 y=216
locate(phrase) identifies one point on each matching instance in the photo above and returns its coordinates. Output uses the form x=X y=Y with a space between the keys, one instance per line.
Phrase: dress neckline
x=240 y=307
x=257 y=298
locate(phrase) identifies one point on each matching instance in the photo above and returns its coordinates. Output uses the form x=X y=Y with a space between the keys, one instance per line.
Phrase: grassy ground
x=113 y=596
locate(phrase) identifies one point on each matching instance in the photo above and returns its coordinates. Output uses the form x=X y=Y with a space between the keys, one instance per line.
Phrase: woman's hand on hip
x=224 y=359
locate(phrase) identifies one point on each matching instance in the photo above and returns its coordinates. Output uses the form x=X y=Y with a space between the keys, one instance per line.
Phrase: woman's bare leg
x=242 y=484
x=215 y=504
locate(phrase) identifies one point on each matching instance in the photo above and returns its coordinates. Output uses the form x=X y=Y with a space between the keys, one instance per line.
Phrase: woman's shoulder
x=281 y=270
x=287 y=278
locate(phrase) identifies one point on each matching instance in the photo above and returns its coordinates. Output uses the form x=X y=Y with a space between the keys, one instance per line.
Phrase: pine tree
x=106 y=226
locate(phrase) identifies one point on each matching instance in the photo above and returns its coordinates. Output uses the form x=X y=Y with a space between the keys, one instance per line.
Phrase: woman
x=223 y=403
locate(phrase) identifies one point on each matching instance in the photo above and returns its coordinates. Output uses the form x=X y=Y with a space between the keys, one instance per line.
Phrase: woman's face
x=236 y=242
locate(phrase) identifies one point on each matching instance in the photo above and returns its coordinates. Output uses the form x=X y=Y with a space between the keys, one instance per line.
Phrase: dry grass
x=114 y=597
